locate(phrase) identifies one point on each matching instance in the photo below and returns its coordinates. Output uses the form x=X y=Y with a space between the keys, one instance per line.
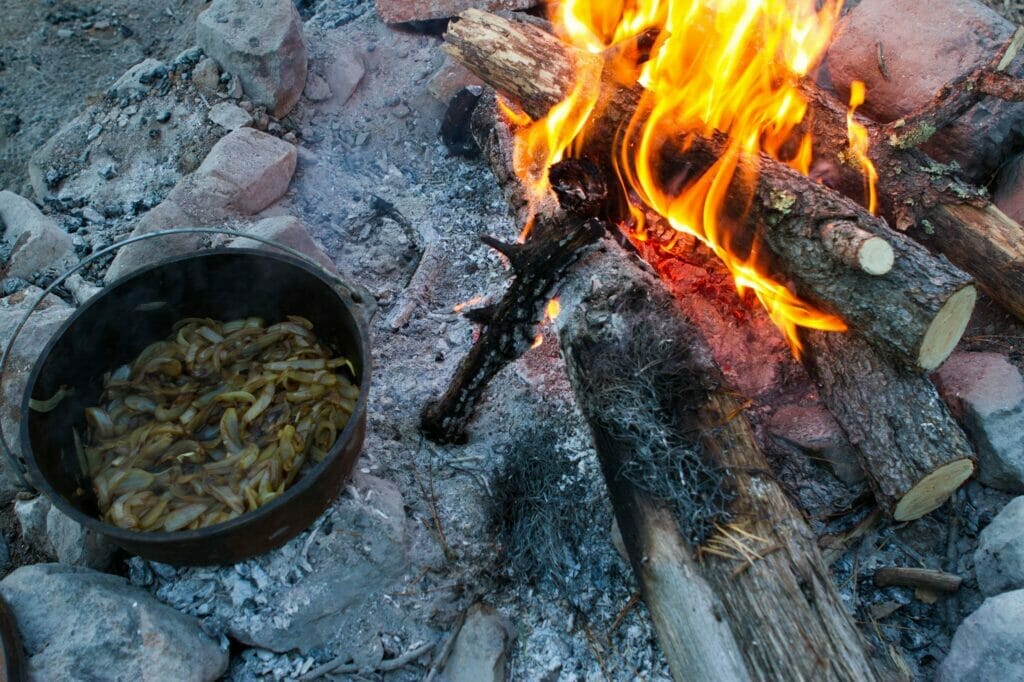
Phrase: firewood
x=626 y=343
x=921 y=578
x=913 y=452
x=918 y=310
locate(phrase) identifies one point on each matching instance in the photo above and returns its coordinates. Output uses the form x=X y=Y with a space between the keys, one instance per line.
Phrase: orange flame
x=554 y=309
x=730 y=66
x=859 y=142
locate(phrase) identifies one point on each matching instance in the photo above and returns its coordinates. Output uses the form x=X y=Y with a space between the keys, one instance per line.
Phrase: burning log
x=555 y=242
x=918 y=310
x=644 y=381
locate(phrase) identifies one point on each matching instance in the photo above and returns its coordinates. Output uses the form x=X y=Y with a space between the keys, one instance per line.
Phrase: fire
x=859 y=141
x=554 y=309
x=731 y=66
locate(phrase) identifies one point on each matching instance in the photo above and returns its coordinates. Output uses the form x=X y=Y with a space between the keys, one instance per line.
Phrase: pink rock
x=814 y=429
x=401 y=11
x=450 y=79
x=924 y=46
x=287 y=231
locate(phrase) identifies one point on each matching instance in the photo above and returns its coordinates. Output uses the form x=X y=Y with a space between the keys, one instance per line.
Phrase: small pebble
x=163 y=117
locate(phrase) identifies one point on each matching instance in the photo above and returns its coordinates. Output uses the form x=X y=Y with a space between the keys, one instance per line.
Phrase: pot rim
x=123 y=535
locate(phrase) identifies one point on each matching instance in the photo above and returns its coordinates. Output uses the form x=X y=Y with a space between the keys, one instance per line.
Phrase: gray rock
x=317 y=89
x=137 y=81
x=999 y=559
x=166 y=216
x=32 y=519
x=75 y=545
x=287 y=231
x=41 y=325
x=988 y=644
x=36 y=241
x=5 y=555
x=364 y=554
x=815 y=430
x=986 y=392
x=230 y=116
x=481 y=647
x=206 y=76
x=344 y=70
x=79 y=624
x=261 y=42
x=924 y=47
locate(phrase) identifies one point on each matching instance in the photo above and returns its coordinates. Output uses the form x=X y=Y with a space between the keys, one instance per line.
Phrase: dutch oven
x=114 y=326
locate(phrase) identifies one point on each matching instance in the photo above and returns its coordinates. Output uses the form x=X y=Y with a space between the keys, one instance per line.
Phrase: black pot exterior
x=128 y=315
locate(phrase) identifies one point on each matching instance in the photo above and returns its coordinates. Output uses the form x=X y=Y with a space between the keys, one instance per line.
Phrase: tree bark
x=918 y=310
x=624 y=340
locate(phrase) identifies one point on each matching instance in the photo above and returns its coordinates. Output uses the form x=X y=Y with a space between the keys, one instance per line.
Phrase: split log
x=508 y=329
x=919 y=309
x=644 y=382
x=913 y=452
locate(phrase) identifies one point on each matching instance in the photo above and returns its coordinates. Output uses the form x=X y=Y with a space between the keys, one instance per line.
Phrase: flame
x=553 y=310
x=538 y=341
x=459 y=307
x=859 y=142
x=730 y=66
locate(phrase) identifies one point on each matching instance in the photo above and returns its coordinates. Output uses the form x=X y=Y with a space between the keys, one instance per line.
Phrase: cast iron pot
x=112 y=329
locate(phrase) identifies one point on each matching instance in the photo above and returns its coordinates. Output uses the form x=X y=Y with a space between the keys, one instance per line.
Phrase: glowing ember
x=459 y=307
x=859 y=141
x=538 y=341
x=731 y=66
x=553 y=310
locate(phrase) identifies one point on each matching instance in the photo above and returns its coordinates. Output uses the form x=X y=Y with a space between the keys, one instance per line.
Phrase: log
x=644 y=382
x=918 y=310
x=508 y=329
x=913 y=452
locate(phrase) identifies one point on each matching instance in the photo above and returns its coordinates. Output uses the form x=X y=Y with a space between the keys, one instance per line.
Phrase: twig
x=339 y=667
x=446 y=650
x=834 y=546
x=423 y=281
x=918 y=578
x=630 y=605
x=430 y=499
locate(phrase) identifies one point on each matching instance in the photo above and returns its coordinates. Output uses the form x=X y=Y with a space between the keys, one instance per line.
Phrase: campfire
x=655 y=129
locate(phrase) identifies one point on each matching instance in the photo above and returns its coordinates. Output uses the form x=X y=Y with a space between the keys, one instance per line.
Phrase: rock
x=317 y=89
x=206 y=76
x=138 y=80
x=230 y=116
x=402 y=11
x=988 y=644
x=450 y=79
x=344 y=70
x=481 y=647
x=245 y=172
x=999 y=559
x=78 y=624
x=36 y=241
x=287 y=231
x=74 y=544
x=815 y=430
x=986 y=393
x=41 y=325
x=362 y=555
x=32 y=519
x=166 y=216
x=261 y=42
x=924 y=47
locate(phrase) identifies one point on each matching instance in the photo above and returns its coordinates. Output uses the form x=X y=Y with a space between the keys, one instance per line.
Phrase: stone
x=206 y=76
x=988 y=644
x=814 y=430
x=36 y=241
x=230 y=116
x=999 y=559
x=287 y=231
x=450 y=79
x=244 y=173
x=32 y=515
x=40 y=327
x=364 y=554
x=317 y=89
x=924 y=46
x=75 y=545
x=481 y=647
x=165 y=216
x=343 y=71
x=137 y=81
x=261 y=42
x=986 y=393
x=402 y=11
x=76 y=623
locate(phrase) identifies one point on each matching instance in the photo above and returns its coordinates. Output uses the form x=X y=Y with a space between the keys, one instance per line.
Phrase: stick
x=925 y=578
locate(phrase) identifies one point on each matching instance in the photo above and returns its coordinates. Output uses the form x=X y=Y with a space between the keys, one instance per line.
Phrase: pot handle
x=14 y=461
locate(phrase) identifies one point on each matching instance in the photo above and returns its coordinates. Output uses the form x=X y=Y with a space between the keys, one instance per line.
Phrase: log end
x=876 y=256
x=932 y=491
x=946 y=329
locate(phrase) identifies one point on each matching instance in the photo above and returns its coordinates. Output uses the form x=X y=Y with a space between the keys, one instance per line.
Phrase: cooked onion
x=213 y=422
